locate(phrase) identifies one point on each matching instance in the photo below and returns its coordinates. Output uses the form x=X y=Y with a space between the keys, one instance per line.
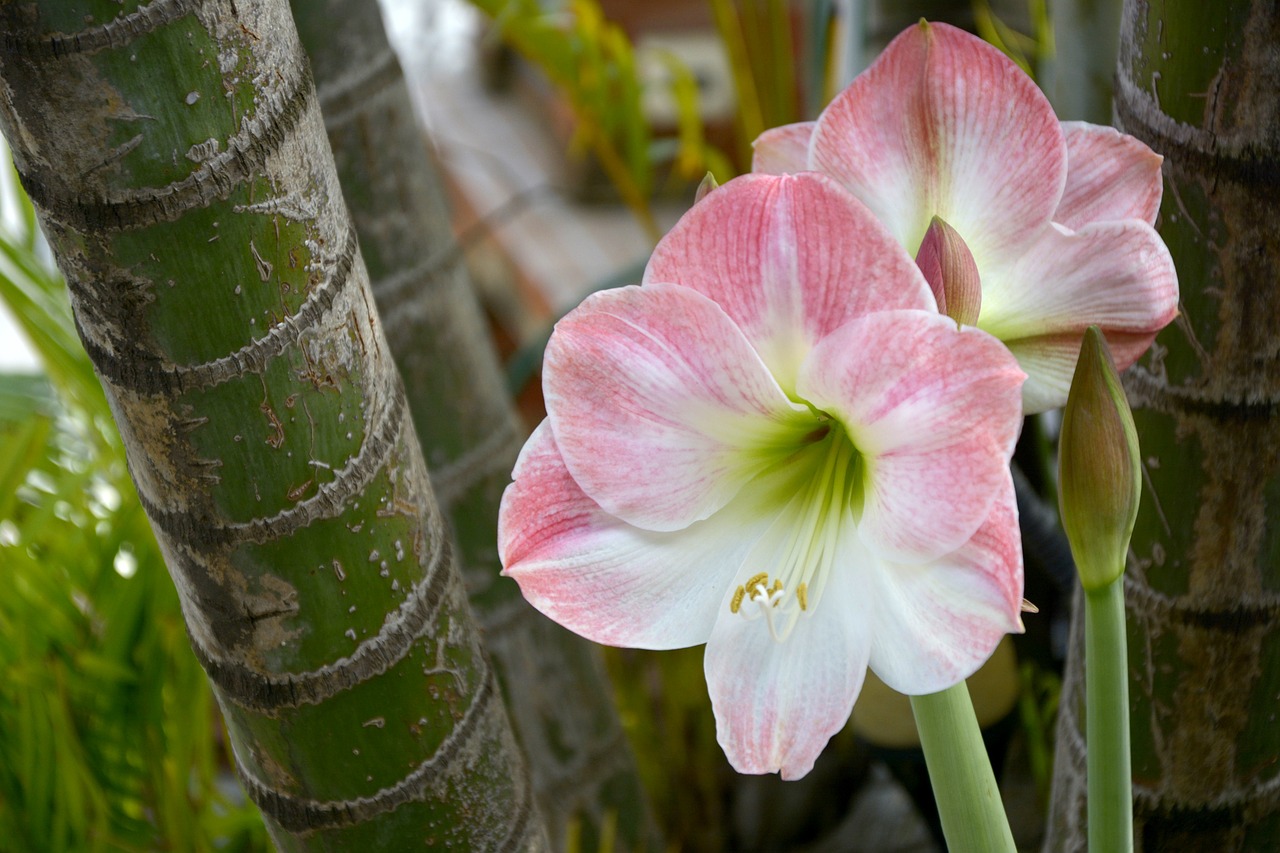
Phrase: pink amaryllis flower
x=775 y=446
x=1057 y=216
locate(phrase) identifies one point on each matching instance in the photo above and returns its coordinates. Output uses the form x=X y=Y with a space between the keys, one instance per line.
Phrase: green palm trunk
x=582 y=769
x=1198 y=82
x=176 y=153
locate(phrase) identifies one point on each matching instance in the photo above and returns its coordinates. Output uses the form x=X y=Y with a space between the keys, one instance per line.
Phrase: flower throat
x=814 y=516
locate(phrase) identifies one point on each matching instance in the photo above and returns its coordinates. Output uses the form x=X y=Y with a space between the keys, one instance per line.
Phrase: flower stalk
x=964 y=785
x=1100 y=485
x=1107 y=719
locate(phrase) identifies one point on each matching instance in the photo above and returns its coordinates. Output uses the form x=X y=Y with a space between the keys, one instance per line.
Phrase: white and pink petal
x=790 y=258
x=659 y=404
x=782 y=150
x=604 y=579
x=1117 y=275
x=1050 y=361
x=944 y=124
x=777 y=704
x=936 y=623
x=934 y=410
x=1110 y=175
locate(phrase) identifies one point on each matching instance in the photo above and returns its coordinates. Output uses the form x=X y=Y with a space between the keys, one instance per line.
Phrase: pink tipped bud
x=949 y=268
x=1100 y=477
x=708 y=184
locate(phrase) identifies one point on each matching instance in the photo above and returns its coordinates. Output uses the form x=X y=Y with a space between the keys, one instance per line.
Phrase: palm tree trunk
x=177 y=156
x=583 y=771
x=1198 y=82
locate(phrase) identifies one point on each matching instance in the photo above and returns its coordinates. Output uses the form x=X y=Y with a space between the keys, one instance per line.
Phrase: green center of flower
x=825 y=494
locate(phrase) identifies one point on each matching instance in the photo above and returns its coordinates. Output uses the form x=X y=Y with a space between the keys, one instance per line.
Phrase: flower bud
x=705 y=187
x=1099 y=481
x=952 y=273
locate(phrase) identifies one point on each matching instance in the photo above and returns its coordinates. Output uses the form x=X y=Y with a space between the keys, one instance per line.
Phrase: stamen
x=807 y=551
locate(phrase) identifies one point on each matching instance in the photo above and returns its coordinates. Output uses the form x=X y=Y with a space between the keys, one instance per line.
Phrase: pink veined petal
x=1050 y=361
x=1110 y=175
x=934 y=412
x=782 y=150
x=777 y=704
x=943 y=123
x=936 y=623
x=604 y=579
x=659 y=404
x=789 y=258
x=1118 y=275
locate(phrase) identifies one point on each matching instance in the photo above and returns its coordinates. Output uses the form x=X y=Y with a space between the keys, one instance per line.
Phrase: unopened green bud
x=708 y=184
x=952 y=273
x=1099 y=481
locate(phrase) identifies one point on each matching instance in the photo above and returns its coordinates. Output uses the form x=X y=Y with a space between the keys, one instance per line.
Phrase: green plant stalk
x=973 y=818
x=177 y=158
x=750 y=111
x=467 y=424
x=1106 y=670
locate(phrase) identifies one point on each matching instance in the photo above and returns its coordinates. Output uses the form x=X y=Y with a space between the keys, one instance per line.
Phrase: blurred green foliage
x=109 y=736
x=592 y=63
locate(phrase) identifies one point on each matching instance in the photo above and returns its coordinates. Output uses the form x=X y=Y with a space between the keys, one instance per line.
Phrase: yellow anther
x=755 y=581
x=802 y=596
x=736 y=603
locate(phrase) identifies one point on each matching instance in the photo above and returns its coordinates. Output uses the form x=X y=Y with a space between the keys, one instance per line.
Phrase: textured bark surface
x=553 y=682
x=177 y=156
x=1198 y=82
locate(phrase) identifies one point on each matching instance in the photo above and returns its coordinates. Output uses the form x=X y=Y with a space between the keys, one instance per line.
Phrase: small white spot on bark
x=337 y=570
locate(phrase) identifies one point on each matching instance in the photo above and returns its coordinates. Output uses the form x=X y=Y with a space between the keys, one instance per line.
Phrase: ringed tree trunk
x=176 y=153
x=1198 y=82
x=553 y=682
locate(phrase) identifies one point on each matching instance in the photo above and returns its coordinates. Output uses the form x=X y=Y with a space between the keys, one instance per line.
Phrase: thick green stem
x=964 y=785
x=1107 y=719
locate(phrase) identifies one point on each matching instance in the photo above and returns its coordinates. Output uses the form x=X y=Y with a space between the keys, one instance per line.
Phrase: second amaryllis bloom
x=1057 y=216
x=776 y=446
